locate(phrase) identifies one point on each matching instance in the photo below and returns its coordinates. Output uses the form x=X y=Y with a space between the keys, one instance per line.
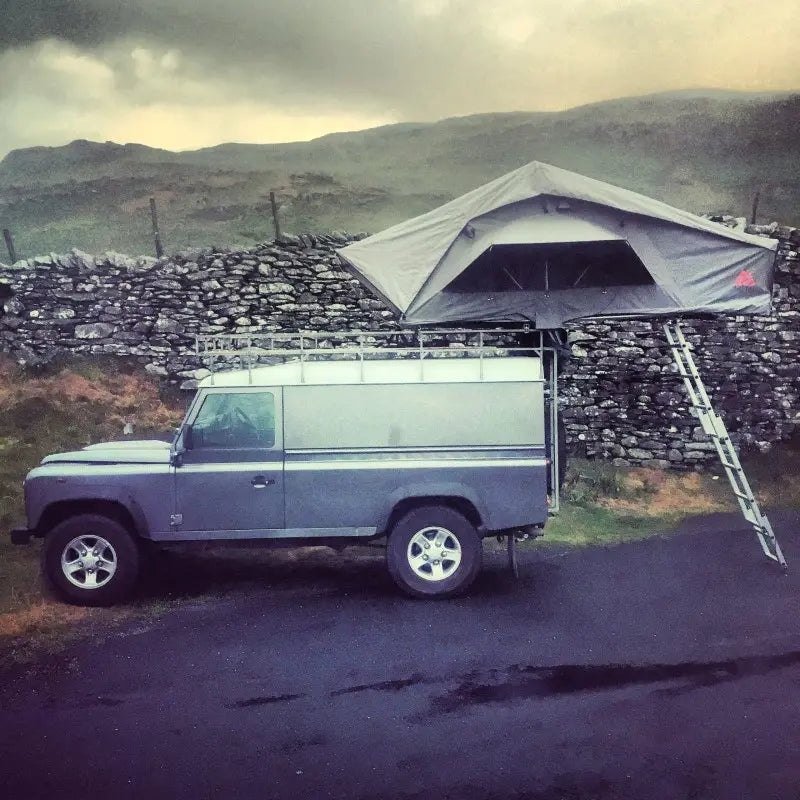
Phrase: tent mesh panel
x=553 y=267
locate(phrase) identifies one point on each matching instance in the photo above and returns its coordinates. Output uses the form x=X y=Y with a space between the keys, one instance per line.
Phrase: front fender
x=41 y=494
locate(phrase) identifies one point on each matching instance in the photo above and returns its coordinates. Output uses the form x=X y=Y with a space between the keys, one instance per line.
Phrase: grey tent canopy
x=546 y=246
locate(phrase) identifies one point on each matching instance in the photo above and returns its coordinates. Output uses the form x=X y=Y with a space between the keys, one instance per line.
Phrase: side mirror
x=188 y=437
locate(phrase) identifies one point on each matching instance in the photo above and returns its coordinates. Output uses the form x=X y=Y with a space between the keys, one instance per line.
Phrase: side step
x=714 y=426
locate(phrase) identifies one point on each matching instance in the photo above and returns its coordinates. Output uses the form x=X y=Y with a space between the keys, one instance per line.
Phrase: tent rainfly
x=546 y=246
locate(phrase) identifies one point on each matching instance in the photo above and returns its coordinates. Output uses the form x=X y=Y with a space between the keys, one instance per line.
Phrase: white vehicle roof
x=489 y=369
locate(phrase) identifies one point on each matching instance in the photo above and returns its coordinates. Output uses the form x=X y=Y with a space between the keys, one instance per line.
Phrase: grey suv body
x=433 y=454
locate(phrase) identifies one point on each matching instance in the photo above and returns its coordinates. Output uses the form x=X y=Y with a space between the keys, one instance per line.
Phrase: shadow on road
x=356 y=571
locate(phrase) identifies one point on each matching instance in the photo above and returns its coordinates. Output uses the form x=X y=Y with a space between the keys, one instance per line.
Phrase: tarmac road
x=662 y=669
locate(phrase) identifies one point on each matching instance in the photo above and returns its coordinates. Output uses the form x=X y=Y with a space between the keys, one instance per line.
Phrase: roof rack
x=254 y=348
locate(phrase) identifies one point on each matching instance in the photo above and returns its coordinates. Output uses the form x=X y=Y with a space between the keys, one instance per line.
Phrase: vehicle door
x=229 y=477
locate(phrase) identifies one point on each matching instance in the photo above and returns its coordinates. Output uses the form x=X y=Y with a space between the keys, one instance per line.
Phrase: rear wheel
x=434 y=551
x=90 y=560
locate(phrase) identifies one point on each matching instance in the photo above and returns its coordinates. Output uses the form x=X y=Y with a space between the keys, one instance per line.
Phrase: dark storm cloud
x=370 y=59
x=409 y=57
x=27 y=21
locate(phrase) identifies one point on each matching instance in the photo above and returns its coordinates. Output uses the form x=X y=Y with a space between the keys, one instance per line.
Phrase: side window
x=235 y=420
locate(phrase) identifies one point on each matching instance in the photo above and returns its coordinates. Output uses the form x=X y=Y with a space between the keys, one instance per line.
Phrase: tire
x=447 y=577
x=70 y=547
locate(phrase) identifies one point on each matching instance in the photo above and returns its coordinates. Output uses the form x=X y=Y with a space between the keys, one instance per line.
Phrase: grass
x=79 y=402
x=63 y=409
x=584 y=525
x=603 y=504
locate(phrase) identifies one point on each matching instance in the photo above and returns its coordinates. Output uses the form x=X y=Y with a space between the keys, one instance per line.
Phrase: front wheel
x=433 y=551
x=90 y=560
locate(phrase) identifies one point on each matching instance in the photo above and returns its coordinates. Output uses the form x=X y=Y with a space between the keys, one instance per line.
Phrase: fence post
x=755 y=208
x=156 y=234
x=12 y=253
x=275 y=215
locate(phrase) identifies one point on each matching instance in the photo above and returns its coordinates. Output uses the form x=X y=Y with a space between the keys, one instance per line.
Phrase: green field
x=703 y=153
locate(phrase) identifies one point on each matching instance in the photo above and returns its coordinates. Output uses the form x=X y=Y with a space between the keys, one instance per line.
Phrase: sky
x=182 y=74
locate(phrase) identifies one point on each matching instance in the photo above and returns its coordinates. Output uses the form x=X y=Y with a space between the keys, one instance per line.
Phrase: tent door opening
x=553 y=267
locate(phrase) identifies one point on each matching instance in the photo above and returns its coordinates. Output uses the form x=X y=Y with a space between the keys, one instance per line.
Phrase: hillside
x=704 y=151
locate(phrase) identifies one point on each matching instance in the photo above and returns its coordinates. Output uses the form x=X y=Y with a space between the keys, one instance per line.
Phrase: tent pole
x=556 y=507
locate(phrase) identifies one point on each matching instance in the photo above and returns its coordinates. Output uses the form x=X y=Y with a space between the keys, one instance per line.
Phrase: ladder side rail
x=714 y=425
x=778 y=553
x=694 y=396
x=733 y=468
x=748 y=505
x=742 y=490
x=683 y=369
x=693 y=368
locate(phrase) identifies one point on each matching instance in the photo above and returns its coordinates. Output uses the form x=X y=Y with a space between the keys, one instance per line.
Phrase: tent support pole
x=555 y=506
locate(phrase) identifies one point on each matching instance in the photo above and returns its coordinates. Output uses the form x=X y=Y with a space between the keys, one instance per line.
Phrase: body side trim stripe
x=434 y=463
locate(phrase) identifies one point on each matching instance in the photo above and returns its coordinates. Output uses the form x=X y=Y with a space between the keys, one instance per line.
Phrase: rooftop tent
x=545 y=246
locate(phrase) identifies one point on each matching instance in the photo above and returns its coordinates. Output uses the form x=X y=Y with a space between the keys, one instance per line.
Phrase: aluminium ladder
x=714 y=426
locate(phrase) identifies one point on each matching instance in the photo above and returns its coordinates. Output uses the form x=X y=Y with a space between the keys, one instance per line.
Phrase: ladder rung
x=695 y=376
x=749 y=498
x=730 y=465
x=764 y=531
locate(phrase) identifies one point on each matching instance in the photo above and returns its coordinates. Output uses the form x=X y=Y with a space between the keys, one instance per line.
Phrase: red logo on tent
x=744 y=279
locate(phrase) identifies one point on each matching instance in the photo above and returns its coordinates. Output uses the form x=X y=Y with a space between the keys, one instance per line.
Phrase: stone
x=14 y=306
x=276 y=288
x=639 y=453
x=626 y=351
x=9 y=321
x=94 y=330
x=167 y=325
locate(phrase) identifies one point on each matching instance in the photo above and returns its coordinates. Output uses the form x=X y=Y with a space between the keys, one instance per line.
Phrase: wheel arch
x=463 y=505
x=60 y=510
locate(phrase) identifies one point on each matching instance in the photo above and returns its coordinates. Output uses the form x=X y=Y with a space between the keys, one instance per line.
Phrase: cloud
x=365 y=60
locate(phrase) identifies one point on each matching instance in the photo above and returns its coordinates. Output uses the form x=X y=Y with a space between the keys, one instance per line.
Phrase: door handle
x=260 y=482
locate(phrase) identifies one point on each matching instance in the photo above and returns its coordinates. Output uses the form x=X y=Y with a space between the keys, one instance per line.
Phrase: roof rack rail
x=254 y=348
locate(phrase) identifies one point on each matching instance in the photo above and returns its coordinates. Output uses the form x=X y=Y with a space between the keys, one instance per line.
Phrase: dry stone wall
x=620 y=395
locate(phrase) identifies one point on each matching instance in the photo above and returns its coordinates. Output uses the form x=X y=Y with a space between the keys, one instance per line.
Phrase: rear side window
x=235 y=420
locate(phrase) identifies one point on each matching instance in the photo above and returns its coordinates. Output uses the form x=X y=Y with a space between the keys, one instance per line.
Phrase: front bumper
x=21 y=536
